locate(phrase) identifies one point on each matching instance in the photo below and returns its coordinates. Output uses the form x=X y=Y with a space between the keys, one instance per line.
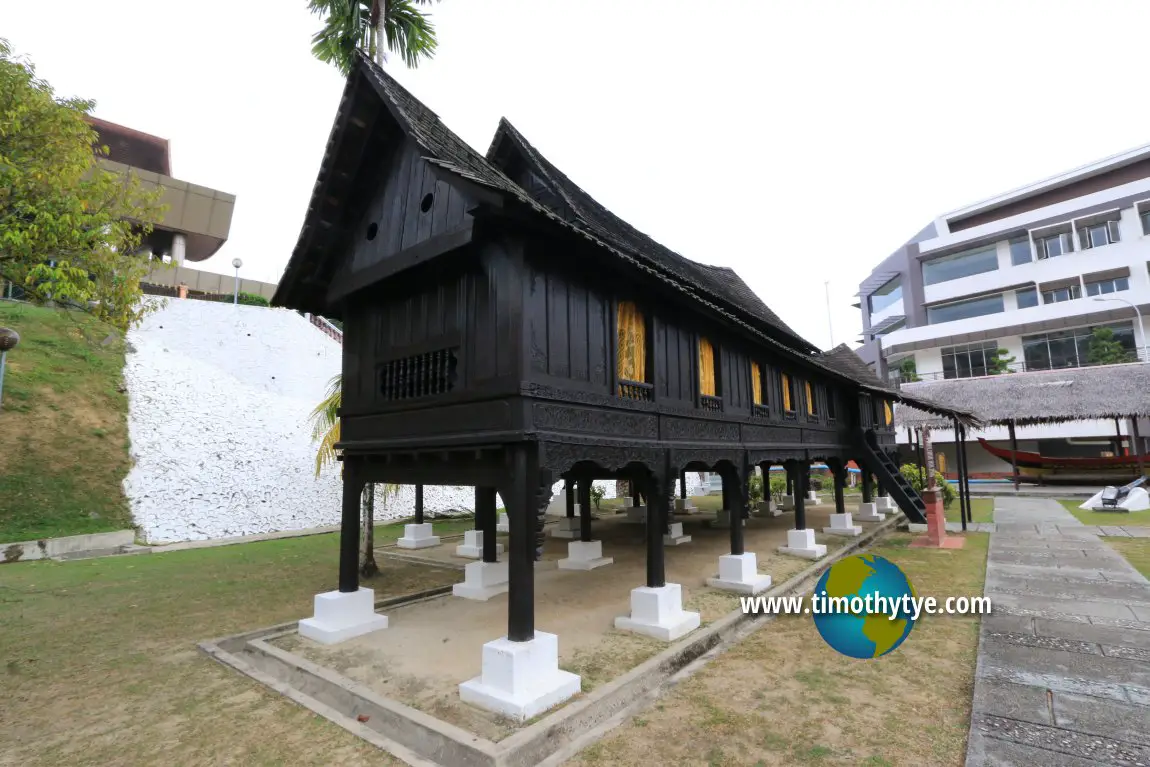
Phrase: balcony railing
x=643 y=392
x=897 y=378
x=713 y=404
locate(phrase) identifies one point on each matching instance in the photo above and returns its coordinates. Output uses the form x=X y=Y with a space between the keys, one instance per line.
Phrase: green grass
x=1108 y=518
x=1136 y=551
x=100 y=666
x=63 y=427
x=981 y=510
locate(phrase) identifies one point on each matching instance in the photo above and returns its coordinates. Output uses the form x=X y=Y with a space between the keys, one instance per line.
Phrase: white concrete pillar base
x=842 y=524
x=801 y=543
x=584 y=555
x=568 y=527
x=885 y=503
x=503 y=524
x=869 y=513
x=472 y=546
x=788 y=503
x=339 y=616
x=658 y=613
x=766 y=509
x=813 y=497
x=723 y=520
x=636 y=515
x=740 y=573
x=520 y=680
x=417 y=537
x=482 y=580
x=676 y=537
x=685 y=506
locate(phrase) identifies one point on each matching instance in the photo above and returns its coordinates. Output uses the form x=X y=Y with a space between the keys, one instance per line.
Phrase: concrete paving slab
x=1066 y=588
x=1102 y=717
x=1070 y=664
x=1087 y=632
x=1017 y=701
x=1015 y=624
x=1058 y=607
x=1053 y=682
x=1138 y=532
x=984 y=751
x=1022 y=639
x=1127 y=653
x=1081 y=745
x=1141 y=612
x=1038 y=571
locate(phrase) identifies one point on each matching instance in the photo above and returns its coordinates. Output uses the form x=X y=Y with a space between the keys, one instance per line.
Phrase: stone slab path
x=1074 y=527
x=1063 y=674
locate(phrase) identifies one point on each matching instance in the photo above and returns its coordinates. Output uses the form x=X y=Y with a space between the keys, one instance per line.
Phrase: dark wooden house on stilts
x=503 y=330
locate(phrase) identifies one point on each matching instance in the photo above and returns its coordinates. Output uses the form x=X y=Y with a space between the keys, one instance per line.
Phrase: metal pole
x=1013 y=454
x=236 y=297
x=960 y=459
x=1141 y=327
x=1135 y=442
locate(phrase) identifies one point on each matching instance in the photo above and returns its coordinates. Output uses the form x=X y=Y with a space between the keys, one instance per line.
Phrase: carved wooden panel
x=685 y=429
x=588 y=420
x=771 y=434
x=454 y=419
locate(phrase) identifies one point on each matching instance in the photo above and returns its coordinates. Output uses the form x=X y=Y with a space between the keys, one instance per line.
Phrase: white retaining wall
x=218 y=403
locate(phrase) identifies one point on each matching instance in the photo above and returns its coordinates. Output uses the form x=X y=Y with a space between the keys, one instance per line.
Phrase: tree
x=1104 y=349
x=908 y=370
x=69 y=227
x=325 y=430
x=351 y=25
x=998 y=363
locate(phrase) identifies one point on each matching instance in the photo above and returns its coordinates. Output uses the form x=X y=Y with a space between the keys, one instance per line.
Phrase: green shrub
x=252 y=299
x=778 y=487
x=596 y=495
x=755 y=488
x=816 y=482
x=910 y=471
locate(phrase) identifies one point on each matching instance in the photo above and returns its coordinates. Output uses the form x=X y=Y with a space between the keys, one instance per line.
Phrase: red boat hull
x=1035 y=467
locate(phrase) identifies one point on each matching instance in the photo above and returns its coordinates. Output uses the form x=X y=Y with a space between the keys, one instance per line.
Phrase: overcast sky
x=795 y=142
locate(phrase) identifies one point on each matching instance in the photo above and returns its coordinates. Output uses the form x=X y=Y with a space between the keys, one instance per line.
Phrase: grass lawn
x=1115 y=519
x=100 y=666
x=63 y=427
x=981 y=510
x=1136 y=551
x=783 y=697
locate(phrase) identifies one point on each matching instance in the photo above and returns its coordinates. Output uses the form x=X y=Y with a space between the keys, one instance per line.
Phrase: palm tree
x=351 y=25
x=325 y=430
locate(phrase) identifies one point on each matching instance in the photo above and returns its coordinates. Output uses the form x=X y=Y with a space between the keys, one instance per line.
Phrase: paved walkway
x=1073 y=527
x=1063 y=674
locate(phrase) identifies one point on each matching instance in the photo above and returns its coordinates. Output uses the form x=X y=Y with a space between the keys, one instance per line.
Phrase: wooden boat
x=1035 y=467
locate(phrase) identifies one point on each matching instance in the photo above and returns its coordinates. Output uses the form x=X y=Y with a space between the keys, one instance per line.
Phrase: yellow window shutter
x=886 y=413
x=810 y=399
x=756 y=383
x=706 y=368
x=631 y=355
x=787 y=404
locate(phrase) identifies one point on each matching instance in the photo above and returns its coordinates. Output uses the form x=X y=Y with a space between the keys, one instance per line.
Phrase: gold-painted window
x=940 y=459
x=707 y=385
x=756 y=383
x=788 y=395
x=631 y=363
x=887 y=415
x=812 y=403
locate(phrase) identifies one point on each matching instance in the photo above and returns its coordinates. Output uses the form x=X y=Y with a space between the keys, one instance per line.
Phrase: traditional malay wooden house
x=503 y=330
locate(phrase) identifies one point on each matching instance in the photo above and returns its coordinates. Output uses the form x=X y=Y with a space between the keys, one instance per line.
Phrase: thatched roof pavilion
x=1049 y=396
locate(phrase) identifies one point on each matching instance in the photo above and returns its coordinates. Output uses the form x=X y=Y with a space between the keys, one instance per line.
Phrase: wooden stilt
x=349 y=528
x=1013 y=453
x=656 y=568
x=569 y=490
x=585 y=509
x=738 y=482
x=1136 y=446
x=960 y=462
x=419 y=504
x=865 y=479
x=838 y=472
x=683 y=485
x=520 y=499
x=485 y=516
x=802 y=470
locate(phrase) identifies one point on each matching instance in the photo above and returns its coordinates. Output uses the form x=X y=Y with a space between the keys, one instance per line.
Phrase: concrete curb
x=413 y=736
x=71 y=546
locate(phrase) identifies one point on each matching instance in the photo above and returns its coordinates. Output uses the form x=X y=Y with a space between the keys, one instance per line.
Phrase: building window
x=787 y=386
x=1145 y=217
x=1097 y=235
x=1113 y=285
x=756 y=384
x=887 y=414
x=631 y=354
x=1020 y=251
x=963 y=310
x=1054 y=245
x=1058 y=295
x=708 y=383
x=959 y=265
x=831 y=405
x=969 y=360
x=1027 y=297
x=812 y=400
x=885 y=296
x=1070 y=348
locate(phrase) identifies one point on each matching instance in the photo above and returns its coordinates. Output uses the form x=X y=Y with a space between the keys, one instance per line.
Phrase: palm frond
x=408 y=31
x=324 y=421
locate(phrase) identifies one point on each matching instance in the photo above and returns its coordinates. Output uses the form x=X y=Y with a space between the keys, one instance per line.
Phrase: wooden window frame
x=636 y=391
x=710 y=402
x=787 y=392
x=760 y=409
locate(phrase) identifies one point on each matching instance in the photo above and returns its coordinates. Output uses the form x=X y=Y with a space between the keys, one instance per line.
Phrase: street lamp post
x=8 y=340
x=237 y=263
x=1141 y=327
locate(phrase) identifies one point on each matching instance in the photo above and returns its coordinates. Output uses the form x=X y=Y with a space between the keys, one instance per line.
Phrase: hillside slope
x=63 y=427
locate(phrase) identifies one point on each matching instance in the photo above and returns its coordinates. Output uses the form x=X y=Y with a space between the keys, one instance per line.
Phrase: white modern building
x=1033 y=272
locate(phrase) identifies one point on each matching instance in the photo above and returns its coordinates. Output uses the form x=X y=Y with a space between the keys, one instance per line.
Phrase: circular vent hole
x=426 y=203
x=372 y=230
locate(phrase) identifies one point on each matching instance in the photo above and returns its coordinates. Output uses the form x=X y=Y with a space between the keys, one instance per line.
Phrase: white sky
x=795 y=142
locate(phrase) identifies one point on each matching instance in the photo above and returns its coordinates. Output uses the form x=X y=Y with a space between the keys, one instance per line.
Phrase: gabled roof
x=447 y=151
x=720 y=282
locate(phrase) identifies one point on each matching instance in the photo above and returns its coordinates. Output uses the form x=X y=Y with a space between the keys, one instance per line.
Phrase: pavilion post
x=656 y=567
x=683 y=485
x=739 y=501
x=585 y=509
x=485 y=513
x=419 y=504
x=920 y=456
x=838 y=472
x=1117 y=437
x=349 y=528
x=788 y=470
x=802 y=470
x=865 y=478
x=569 y=492
x=524 y=482
x=1136 y=445
x=960 y=460
x=1013 y=453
